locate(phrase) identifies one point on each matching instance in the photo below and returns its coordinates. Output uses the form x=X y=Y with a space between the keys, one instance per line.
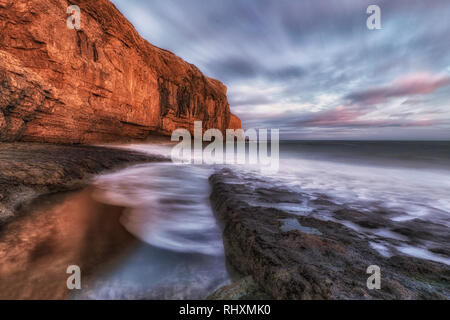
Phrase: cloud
x=381 y=123
x=250 y=101
x=236 y=67
x=347 y=116
x=337 y=116
x=247 y=67
x=287 y=54
x=415 y=84
x=286 y=73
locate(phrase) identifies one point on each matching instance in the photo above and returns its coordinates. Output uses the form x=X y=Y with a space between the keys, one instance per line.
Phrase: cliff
x=103 y=82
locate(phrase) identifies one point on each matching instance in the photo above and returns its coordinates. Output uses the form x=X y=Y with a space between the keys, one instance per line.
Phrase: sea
x=168 y=207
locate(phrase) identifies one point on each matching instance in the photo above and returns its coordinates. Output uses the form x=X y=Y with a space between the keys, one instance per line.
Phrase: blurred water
x=410 y=178
x=167 y=206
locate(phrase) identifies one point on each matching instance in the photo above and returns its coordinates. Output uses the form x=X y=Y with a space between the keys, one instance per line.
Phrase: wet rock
x=362 y=219
x=242 y=289
x=313 y=259
x=28 y=170
x=419 y=229
x=418 y=232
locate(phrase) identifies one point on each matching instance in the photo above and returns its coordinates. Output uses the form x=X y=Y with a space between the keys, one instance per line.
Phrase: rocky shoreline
x=28 y=170
x=292 y=256
x=279 y=254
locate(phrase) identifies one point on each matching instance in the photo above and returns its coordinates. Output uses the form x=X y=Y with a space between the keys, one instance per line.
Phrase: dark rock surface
x=28 y=170
x=294 y=256
x=243 y=289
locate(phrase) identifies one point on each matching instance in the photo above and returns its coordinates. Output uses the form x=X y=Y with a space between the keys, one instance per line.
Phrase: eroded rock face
x=100 y=83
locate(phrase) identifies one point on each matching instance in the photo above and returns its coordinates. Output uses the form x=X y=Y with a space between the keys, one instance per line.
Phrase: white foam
x=423 y=254
x=167 y=206
x=412 y=193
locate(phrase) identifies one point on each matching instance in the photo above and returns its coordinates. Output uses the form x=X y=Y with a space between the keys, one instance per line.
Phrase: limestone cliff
x=103 y=82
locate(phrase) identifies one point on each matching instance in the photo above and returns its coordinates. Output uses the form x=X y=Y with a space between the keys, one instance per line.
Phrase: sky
x=312 y=68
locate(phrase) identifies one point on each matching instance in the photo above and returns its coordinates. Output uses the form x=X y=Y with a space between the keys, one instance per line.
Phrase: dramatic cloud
x=311 y=67
x=416 y=84
x=338 y=116
x=349 y=117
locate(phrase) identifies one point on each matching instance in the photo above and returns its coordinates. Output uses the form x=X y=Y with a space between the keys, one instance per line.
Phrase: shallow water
x=136 y=234
x=410 y=180
x=406 y=179
x=410 y=193
x=167 y=208
x=60 y=230
x=179 y=252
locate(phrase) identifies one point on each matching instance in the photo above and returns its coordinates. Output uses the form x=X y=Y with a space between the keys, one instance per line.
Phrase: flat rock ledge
x=28 y=170
x=300 y=257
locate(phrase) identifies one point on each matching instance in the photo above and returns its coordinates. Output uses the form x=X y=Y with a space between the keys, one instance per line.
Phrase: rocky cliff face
x=100 y=83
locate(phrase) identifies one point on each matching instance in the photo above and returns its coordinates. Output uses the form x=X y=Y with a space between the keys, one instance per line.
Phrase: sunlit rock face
x=102 y=82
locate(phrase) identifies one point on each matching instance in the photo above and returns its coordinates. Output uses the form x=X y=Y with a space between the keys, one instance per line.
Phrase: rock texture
x=242 y=289
x=291 y=256
x=100 y=83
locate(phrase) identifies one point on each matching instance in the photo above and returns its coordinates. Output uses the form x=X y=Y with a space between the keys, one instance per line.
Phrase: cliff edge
x=100 y=83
